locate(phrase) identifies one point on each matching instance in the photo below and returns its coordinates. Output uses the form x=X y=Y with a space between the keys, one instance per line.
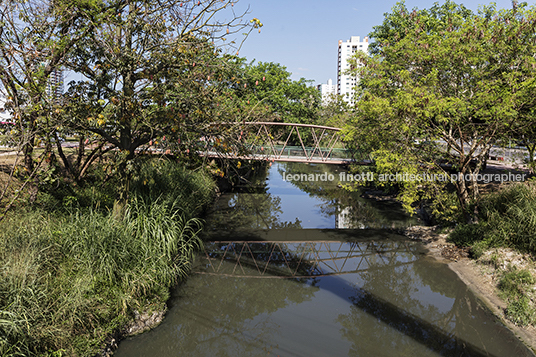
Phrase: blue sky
x=302 y=35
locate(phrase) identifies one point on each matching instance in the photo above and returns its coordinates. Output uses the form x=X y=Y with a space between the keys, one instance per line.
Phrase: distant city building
x=346 y=83
x=327 y=91
x=346 y=218
x=4 y=114
x=54 y=92
x=55 y=85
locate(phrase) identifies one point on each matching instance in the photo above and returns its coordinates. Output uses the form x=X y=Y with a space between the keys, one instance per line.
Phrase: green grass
x=516 y=287
x=72 y=276
x=158 y=178
x=507 y=219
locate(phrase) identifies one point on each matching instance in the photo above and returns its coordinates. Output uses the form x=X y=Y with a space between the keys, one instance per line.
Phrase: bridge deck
x=313 y=160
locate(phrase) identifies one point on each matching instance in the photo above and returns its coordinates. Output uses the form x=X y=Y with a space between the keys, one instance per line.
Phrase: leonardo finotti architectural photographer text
x=405 y=177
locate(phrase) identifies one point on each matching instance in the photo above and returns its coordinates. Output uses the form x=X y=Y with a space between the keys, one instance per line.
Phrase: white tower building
x=346 y=83
x=327 y=90
x=55 y=85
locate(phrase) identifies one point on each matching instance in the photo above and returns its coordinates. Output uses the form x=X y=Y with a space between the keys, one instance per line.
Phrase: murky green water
x=278 y=280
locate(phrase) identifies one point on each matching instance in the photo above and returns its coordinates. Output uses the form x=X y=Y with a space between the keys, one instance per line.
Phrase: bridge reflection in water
x=254 y=259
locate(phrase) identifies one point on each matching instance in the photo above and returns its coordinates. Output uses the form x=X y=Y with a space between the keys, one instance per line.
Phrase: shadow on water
x=224 y=311
x=276 y=278
x=429 y=335
x=272 y=260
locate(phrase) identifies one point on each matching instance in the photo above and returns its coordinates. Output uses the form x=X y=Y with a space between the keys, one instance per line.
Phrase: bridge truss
x=271 y=141
x=303 y=259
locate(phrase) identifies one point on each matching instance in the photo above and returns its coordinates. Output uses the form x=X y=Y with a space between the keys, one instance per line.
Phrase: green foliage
x=511 y=214
x=396 y=171
x=445 y=207
x=335 y=113
x=139 y=83
x=402 y=21
x=516 y=285
x=521 y=312
x=480 y=247
x=30 y=60
x=507 y=218
x=97 y=191
x=287 y=100
x=514 y=282
x=392 y=163
x=445 y=75
x=161 y=178
x=466 y=234
x=72 y=276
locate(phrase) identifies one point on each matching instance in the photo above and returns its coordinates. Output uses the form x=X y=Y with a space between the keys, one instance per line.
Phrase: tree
x=335 y=112
x=527 y=137
x=152 y=72
x=288 y=100
x=437 y=94
x=401 y=21
x=35 y=39
x=268 y=86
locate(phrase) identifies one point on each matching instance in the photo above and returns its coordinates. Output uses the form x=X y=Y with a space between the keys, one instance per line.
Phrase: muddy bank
x=480 y=275
x=140 y=323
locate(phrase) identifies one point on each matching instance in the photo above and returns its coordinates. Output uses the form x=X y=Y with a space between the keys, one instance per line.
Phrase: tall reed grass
x=162 y=178
x=68 y=280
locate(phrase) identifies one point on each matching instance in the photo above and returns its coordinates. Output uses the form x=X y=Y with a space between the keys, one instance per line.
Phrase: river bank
x=75 y=277
x=480 y=275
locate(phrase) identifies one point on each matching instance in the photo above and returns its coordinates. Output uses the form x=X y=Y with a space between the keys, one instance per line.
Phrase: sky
x=303 y=35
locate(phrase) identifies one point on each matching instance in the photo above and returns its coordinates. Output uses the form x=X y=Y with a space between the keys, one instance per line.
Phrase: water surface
x=277 y=279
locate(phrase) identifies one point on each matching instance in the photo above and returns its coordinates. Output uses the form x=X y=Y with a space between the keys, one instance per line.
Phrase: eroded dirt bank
x=480 y=275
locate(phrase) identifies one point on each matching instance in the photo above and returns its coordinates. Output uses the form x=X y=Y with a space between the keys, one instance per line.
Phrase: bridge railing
x=277 y=142
x=281 y=151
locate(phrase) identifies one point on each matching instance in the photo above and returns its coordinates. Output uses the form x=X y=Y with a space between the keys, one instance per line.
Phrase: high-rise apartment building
x=54 y=93
x=327 y=90
x=55 y=85
x=346 y=83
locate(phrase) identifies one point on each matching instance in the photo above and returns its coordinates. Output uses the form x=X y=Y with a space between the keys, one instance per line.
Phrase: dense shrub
x=507 y=218
x=70 y=277
x=164 y=179
x=516 y=287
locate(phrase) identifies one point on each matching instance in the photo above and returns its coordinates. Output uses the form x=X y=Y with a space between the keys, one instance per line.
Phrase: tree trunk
x=463 y=197
x=27 y=150
x=64 y=159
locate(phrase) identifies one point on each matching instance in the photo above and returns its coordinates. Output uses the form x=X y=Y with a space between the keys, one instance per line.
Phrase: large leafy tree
x=153 y=72
x=287 y=100
x=526 y=133
x=35 y=39
x=273 y=96
x=442 y=86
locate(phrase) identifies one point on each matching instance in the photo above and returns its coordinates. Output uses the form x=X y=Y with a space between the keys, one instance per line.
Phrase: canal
x=304 y=268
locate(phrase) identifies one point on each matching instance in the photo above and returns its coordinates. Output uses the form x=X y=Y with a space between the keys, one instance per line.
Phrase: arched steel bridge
x=271 y=141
